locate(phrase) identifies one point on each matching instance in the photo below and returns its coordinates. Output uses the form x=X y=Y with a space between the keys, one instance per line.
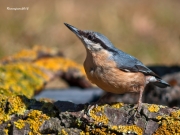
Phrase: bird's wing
x=129 y=63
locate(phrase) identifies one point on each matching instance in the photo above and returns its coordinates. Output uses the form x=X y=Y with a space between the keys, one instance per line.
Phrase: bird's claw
x=136 y=113
x=90 y=107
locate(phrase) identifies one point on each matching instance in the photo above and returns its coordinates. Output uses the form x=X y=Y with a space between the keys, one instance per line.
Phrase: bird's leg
x=140 y=100
x=139 y=104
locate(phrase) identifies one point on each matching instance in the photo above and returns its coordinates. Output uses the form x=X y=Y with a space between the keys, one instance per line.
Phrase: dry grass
x=149 y=30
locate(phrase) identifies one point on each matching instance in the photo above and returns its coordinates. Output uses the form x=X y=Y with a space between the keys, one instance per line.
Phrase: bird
x=113 y=70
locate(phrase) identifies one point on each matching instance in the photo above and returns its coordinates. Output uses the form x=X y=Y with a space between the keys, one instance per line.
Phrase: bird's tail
x=160 y=83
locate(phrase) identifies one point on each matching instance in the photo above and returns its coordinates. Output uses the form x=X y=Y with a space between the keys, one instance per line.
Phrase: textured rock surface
x=61 y=117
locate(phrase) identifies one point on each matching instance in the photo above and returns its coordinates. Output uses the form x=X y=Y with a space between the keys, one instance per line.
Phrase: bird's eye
x=89 y=37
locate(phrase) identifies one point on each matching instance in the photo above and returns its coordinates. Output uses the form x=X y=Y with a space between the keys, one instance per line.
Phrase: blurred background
x=148 y=30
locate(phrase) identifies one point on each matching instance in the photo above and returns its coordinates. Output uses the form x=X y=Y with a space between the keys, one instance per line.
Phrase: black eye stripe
x=88 y=35
x=92 y=37
x=103 y=45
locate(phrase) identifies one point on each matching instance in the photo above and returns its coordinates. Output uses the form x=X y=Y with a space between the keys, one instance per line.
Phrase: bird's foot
x=136 y=114
x=137 y=108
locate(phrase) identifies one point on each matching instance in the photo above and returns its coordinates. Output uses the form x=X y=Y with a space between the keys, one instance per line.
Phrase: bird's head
x=93 y=41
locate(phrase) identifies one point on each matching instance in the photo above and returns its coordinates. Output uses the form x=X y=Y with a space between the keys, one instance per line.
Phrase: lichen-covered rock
x=22 y=78
x=118 y=118
x=20 y=115
x=28 y=71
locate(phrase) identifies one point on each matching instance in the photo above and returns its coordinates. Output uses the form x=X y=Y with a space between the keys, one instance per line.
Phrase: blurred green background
x=148 y=30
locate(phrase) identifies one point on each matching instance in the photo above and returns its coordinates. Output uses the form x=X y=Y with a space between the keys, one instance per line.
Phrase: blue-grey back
x=127 y=62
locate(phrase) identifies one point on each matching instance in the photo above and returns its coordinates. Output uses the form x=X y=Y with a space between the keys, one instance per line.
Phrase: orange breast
x=104 y=73
x=116 y=81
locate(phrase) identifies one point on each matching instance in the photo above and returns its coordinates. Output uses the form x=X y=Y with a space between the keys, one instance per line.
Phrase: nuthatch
x=112 y=69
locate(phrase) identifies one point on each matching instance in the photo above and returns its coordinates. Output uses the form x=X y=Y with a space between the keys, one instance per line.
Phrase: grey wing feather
x=127 y=62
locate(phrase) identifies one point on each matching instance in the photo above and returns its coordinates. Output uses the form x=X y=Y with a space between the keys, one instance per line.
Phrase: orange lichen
x=169 y=125
x=127 y=129
x=30 y=54
x=97 y=113
x=25 y=54
x=58 y=63
x=153 y=108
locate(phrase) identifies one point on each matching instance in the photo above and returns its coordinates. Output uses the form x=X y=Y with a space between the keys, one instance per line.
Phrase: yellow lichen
x=99 y=131
x=6 y=131
x=16 y=105
x=169 y=125
x=13 y=104
x=22 y=78
x=176 y=114
x=36 y=119
x=31 y=133
x=19 y=124
x=117 y=105
x=4 y=117
x=27 y=71
x=82 y=133
x=63 y=132
x=97 y=113
x=153 y=108
x=127 y=129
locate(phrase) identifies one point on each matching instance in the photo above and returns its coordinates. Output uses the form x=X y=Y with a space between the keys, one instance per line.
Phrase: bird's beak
x=73 y=29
